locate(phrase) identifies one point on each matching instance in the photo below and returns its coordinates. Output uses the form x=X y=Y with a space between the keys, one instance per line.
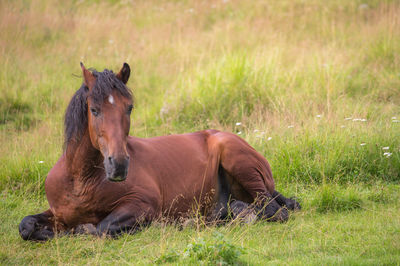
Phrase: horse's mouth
x=115 y=171
x=117 y=175
x=116 y=179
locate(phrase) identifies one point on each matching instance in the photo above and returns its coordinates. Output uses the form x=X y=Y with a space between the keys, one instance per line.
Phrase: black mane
x=76 y=120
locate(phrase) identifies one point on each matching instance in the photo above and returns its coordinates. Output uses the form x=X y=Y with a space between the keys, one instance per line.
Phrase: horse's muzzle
x=116 y=170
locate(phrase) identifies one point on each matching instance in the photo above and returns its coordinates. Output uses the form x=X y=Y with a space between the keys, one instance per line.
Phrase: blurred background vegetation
x=288 y=71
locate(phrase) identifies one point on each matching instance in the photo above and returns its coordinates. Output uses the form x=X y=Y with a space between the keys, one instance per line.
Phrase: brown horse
x=116 y=182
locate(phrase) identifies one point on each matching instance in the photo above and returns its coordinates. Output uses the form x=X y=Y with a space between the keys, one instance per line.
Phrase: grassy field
x=313 y=85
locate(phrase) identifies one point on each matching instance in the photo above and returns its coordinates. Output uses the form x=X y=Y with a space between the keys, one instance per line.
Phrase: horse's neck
x=84 y=162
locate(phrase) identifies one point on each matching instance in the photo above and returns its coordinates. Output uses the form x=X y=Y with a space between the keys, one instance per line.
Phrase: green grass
x=298 y=75
x=366 y=235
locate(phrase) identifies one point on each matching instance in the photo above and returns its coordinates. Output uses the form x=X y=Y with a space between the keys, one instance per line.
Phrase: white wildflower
x=238 y=123
x=363 y=6
x=363 y=144
x=164 y=111
x=239 y=133
x=41 y=162
x=387 y=154
x=291 y=126
x=394 y=118
x=319 y=116
x=256 y=130
x=385 y=148
x=269 y=138
x=363 y=120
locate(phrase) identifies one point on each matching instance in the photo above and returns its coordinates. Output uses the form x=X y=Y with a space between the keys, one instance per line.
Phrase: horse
x=115 y=183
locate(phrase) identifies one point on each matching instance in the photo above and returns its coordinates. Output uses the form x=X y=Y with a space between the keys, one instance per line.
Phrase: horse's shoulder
x=57 y=173
x=57 y=184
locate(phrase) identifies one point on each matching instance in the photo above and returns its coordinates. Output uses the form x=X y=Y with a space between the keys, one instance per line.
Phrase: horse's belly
x=185 y=169
x=189 y=196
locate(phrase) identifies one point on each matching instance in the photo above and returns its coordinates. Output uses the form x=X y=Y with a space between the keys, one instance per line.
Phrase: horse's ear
x=124 y=73
x=88 y=77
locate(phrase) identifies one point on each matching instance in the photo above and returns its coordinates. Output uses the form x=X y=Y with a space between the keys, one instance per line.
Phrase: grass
x=310 y=237
x=313 y=84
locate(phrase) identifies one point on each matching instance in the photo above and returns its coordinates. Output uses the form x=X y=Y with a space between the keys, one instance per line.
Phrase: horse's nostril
x=110 y=159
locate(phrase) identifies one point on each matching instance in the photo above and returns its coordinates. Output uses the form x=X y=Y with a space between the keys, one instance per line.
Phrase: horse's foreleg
x=127 y=219
x=39 y=227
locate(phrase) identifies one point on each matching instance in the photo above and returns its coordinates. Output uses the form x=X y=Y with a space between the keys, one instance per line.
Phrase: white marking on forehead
x=111 y=99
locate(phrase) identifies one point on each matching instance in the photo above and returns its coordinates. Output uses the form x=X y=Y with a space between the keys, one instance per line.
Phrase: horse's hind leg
x=253 y=173
x=289 y=203
x=270 y=210
x=219 y=212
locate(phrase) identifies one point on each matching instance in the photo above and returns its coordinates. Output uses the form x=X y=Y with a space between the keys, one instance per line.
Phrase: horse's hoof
x=242 y=212
x=282 y=215
x=27 y=227
x=89 y=229
x=189 y=223
x=31 y=229
x=294 y=205
x=249 y=218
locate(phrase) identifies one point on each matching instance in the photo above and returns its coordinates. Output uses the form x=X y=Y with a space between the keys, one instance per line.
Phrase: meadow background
x=312 y=85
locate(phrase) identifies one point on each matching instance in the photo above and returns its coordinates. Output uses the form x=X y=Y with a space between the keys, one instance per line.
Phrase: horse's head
x=109 y=105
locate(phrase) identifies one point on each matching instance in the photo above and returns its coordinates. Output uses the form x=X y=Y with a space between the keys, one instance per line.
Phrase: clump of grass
x=217 y=250
x=225 y=91
x=331 y=197
x=214 y=251
x=16 y=113
x=380 y=196
x=168 y=257
x=383 y=194
x=23 y=175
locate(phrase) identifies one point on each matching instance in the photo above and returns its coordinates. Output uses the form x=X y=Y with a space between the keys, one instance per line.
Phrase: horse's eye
x=130 y=109
x=94 y=111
